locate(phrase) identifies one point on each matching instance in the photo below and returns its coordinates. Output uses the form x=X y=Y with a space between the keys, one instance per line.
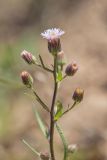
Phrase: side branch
x=43 y=65
x=40 y=101
x=69 y=108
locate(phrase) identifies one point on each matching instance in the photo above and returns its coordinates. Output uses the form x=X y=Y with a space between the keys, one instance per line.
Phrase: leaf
x=30 y=96
x=59 y=76
x=41 y=124
x=31 y=148
x=59 y=110
x=10 y=83
x=65 y=144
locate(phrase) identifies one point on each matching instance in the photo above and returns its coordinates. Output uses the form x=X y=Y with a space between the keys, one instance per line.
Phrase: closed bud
x=44 y=156
x=72 y=148
x=27 y=79
x=28 y=57
x=54 y=45
x=61 y=58
x=78 y=95
x=71 y=69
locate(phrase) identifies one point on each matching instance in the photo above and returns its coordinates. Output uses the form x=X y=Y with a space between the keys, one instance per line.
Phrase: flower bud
x=54 y=45
x=72 y=148
x=78 y=95
x=27 y=79
x=60 y=58
x=71 y=69
x=28 y=57
x=44 y=156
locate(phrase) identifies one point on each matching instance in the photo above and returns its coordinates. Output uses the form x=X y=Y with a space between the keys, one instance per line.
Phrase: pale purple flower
x=52 y=33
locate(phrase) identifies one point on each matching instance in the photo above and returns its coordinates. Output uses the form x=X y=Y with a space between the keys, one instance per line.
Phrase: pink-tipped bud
x=78 y=95
x=27 y=79
x=61 y=58
x=28 y=57
x=44 y=156
x=54 y=45
x=71 y=69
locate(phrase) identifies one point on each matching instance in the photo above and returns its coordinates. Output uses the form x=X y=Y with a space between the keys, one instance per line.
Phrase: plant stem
x=52 y=111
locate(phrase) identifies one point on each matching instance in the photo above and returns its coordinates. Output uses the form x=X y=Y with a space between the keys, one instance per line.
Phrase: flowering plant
x=56 y=110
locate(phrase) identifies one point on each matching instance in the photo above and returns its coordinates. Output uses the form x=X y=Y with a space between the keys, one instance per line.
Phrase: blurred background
x=85 y=24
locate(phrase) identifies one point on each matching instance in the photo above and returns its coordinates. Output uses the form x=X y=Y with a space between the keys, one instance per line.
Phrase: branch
x=43 y=65
x=40 y=101
x=64 y=76
x=75 y=103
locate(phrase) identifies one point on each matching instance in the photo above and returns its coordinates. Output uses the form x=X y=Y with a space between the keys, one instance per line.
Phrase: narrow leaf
x=30 y=96
x=31 y=148
x=41 y=124
x=65 y=145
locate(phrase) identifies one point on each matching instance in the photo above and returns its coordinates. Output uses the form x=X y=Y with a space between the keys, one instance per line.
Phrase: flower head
x=27 y=79
x=44 y=156
x=28 y=57
x=71 y=69
x=52 y=33
x=72 y=148
x=61 y=60
x=78 y=95
x=53 y=37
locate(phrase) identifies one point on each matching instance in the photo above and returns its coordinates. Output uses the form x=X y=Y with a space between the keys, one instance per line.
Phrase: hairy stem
x=52 y=111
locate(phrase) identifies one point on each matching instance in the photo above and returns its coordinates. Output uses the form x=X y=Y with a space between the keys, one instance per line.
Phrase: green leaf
x=59 y=76
x=31 y=148
x=65 y=144
x=41 y=124
x=10 y=83
x=30 y=96
x=59 y=110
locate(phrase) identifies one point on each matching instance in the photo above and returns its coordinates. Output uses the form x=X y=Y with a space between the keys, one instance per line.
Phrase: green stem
x=63 y=141
x=52 y=111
